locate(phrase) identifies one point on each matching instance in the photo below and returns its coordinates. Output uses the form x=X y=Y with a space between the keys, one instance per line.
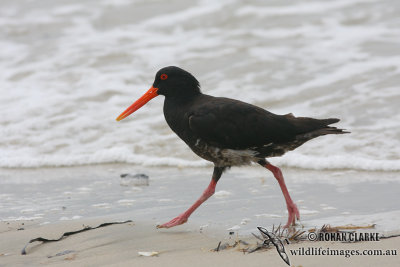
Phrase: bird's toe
x=181 y=219
x=294 y=214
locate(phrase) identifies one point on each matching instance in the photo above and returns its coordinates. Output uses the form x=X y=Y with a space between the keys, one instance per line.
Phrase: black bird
x=228 y=132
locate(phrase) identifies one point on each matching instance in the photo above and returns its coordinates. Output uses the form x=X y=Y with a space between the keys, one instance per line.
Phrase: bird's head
x=169 y=81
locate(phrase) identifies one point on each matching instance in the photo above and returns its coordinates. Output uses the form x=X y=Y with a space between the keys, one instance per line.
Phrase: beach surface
x=47 y=202
x=120 y=245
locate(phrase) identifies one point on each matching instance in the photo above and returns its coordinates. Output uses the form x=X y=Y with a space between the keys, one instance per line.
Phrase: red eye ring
x=164 y=76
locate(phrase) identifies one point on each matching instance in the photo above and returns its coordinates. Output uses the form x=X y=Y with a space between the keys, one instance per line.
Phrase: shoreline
x=69 y=198
x=84 y=192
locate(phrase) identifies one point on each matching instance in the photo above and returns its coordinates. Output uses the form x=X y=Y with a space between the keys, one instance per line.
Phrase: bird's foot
x=181 y=219
x=294 y=214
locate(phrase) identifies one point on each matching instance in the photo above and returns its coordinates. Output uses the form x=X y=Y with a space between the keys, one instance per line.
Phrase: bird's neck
x=176 y=110
x=182 y=99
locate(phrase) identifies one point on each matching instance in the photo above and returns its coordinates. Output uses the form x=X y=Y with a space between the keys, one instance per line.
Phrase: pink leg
x=182 y=218
x=292 y=208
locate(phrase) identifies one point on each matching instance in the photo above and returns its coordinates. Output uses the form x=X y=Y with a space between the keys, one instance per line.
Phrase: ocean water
x=69 y=68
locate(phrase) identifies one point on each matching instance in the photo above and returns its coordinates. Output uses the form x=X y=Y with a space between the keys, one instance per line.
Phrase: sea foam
x=67 y=70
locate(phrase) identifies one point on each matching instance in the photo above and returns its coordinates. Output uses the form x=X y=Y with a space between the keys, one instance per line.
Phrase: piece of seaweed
x=87 y=228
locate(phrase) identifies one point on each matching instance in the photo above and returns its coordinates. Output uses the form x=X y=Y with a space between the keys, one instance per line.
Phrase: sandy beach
x=119 y=245
x=47 y=202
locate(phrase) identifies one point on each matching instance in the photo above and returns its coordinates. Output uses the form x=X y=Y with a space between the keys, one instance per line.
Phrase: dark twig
x=219 y=244
x=389 y=236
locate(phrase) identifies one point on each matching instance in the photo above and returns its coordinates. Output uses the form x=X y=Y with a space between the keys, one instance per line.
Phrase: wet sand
x=247 y=197
x=50 y=201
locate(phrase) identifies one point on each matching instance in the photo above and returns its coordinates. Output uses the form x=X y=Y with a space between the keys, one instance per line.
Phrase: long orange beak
x=150 y=94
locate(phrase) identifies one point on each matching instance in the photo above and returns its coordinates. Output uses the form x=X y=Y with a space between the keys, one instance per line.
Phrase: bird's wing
x=229 y=123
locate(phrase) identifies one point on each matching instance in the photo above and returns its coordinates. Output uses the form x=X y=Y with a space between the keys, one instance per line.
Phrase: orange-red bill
x=150 y=94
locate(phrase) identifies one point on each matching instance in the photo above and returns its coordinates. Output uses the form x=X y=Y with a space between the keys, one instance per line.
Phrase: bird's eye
x=164 y=76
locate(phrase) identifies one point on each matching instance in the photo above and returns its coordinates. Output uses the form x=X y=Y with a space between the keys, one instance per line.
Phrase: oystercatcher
x=228 y=132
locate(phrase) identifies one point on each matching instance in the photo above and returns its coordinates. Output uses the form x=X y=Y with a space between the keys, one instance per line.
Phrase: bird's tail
x=307 y=129
x=311 y=128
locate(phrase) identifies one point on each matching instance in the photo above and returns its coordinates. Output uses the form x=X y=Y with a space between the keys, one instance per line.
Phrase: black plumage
x=224 y=123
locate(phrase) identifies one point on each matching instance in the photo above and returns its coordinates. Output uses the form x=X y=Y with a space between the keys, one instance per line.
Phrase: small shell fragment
x=148 y=253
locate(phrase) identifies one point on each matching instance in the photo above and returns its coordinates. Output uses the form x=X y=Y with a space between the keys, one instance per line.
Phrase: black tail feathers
x=322 y=128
